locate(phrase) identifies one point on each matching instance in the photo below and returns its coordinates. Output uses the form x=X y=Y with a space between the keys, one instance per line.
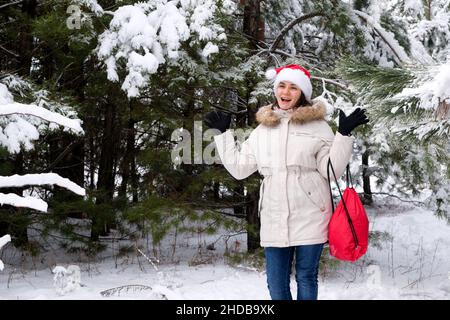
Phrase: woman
x=290 y=147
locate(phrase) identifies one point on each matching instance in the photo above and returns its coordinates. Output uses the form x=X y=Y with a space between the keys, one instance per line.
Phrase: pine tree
x=409 y=140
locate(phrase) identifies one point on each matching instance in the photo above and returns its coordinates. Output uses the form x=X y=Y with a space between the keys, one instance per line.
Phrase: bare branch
x=10 y=52
x=334 y=82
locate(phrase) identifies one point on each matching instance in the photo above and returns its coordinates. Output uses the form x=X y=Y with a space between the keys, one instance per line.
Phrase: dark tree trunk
x=66 y=158
x=253 y=24
x=134 y=178
x=25 y=38
x=128 y=158
x=253 y=28
x=366 y=179
x=105 y=183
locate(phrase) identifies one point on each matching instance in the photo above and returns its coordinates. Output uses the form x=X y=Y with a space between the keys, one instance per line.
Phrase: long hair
x=301 y=102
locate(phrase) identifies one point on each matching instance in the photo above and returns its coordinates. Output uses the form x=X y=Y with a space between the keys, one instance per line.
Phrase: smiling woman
x=292 y=86
x=287 y=95
x=290 y=148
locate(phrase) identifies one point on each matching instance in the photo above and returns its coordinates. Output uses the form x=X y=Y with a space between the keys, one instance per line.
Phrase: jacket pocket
x=314 y=190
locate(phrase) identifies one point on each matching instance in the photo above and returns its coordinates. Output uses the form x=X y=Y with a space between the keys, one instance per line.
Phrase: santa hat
x=292 y=73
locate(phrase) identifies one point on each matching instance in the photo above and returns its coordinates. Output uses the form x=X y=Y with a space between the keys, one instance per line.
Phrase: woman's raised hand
x=347 y=124
x=218 y=120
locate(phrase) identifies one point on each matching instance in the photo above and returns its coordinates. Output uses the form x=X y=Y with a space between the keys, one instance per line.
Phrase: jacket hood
x=268 y=117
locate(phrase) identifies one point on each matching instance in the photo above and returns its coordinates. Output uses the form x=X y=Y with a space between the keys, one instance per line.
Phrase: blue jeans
x=278 y=270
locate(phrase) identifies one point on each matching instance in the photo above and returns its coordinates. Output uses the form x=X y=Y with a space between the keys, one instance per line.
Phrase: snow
x=92 y=5
x=146 y=35
x=434 y=88
x=20 y=123
x=26 y=109
x=413 y=262
x=26 y=202
x=209 y=49
x=387 y=36
x=40 y=179
x=18 y=132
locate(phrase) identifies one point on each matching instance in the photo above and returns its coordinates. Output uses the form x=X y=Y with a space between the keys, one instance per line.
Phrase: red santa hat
x=292 y=73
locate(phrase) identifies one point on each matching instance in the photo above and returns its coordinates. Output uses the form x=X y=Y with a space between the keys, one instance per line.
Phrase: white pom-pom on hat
x=271 y=74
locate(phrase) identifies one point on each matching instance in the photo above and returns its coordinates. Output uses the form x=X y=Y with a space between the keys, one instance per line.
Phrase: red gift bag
x=348 y=230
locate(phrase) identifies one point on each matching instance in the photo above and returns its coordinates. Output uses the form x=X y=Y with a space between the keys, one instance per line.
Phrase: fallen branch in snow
x=126 y=288
x=149 y=260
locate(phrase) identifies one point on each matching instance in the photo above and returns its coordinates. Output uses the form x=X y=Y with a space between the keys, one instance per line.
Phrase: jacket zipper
x=285 y=163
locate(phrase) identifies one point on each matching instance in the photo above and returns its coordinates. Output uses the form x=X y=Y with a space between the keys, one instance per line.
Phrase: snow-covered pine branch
x=20 y=123
x=145 y=35
x=92 y=5
x=386 y=36
x=13 y=134
x=39 y=180
x=16 y=132
x=23 y=202
x=33 y=110
x=432 y=87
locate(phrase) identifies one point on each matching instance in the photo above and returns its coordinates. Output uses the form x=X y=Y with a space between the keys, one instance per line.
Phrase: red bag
x=348 y=230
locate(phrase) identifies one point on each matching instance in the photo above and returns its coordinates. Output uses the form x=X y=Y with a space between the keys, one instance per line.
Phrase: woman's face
x=287 y=94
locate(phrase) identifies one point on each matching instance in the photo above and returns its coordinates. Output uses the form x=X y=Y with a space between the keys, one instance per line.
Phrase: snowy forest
x=98 y=199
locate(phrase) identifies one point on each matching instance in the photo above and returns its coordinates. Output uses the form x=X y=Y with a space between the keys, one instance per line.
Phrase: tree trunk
x=66 y=158
x=25 y=38
x=253 y=28
x=366 y=179
x=127 y=161
x=253 y=24
x=105 y=183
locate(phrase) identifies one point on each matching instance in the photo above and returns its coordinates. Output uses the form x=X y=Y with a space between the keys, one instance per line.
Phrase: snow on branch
x=25 y=202
x=33 y=110
x=386 y=36
x=92 y=5
x=39 y=180
x=147 y=34
x=290 y=25
x=432 y=88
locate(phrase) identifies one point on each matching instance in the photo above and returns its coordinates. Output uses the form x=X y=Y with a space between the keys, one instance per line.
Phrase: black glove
x=218 y=120
x=347 y=124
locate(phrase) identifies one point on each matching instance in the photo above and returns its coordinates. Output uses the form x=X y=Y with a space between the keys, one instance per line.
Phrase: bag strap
x=350 y=222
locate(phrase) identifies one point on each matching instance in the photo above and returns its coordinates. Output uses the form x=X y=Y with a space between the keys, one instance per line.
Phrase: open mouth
x=286 y=100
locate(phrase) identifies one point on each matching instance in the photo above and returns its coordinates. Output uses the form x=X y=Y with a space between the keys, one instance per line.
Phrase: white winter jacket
x=291 y=151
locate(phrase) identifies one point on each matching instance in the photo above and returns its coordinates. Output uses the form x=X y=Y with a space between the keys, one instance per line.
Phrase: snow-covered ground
x=412 y=262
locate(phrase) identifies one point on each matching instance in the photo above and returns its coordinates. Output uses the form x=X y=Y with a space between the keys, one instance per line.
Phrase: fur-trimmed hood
x=269 y=117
